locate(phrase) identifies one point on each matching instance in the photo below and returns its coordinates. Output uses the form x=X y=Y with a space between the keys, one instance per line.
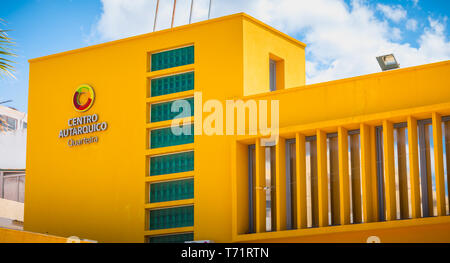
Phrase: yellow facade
x=18 y=236
x=100 y=191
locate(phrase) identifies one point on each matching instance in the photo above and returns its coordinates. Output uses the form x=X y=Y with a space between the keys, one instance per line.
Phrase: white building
x=13 y=138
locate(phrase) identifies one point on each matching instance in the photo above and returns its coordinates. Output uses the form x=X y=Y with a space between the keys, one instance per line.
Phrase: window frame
x=272 y=75
x=289 y=203
x=11 y=174
x=251 y=201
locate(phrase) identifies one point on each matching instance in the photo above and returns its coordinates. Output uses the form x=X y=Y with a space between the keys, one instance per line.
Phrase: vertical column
x=280 y=152
x=260 y=182
x=366 y=175
x=322 y=177
x=344 y=176
x=300 y=162
x=414 y=167
x=389 y=170
x=438 y=164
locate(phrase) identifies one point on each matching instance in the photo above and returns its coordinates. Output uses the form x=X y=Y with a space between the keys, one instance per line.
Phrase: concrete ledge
x=421 y=230
x=11 y=210
x=17 y=236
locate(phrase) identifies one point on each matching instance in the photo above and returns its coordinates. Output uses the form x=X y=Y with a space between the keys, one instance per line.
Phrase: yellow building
x=353 y=158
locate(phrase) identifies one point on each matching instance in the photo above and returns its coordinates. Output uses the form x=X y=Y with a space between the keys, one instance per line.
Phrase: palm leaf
x=6 y=65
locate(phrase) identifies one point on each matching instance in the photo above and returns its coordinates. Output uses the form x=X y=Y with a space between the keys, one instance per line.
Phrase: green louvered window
x=177 y=238
x=163 y=111
x=165 y=137
x=173 y=58
x=172 y=163
x=172 y=217
x=172 y=190
x=172 y=84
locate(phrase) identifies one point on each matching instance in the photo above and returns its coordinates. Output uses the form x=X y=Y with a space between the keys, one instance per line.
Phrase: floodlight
x=388 y=62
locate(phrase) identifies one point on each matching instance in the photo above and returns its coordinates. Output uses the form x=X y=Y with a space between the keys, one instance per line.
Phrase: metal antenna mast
x=190 y=14
x=156 y=15
x=209 y=11
x=6 y=101
x=173 y=12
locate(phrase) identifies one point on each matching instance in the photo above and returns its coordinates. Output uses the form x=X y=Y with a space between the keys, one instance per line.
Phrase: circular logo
x=83 y=98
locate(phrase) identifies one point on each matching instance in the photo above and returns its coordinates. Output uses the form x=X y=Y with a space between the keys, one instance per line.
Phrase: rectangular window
x=252 y=188
x=172 y=58
x=21 y=197
x=165 y=137
x=354 y=159
x=12 y=123
x=163 y=111
x=380 y=173
x=276 y=73
x=426 y=166
x=446 y=155
x=12 y=186
x=172 y=84
x=273 y=75
x=172 y=217
x=7 y=123
x=312 y=187
x=291 y=183
x=270 y=188
x=333 y=179
x=176 y=238
x=172 y=190
x=172 y=163
x=402 y=180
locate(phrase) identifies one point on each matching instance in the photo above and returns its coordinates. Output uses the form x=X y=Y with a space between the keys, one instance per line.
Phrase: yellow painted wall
x=423 y=230
x=260 y=43
x=417 y=91
x=18 y=236
x=369 y=94
x=221 y=82
x=98 y=191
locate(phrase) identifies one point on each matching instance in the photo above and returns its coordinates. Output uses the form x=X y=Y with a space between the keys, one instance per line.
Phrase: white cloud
x=415 y=2
x=123 y=18
x=343 y=40
x=411 y=24
x=433 y=43
x=395 y=13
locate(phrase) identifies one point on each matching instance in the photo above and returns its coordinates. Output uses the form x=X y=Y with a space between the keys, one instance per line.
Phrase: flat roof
x=349 y=79
x=183 y=27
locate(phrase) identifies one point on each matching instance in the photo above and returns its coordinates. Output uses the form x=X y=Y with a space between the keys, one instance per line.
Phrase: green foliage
x=6 y=52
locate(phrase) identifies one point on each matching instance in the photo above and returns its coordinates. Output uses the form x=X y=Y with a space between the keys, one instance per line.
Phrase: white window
x=273 y=74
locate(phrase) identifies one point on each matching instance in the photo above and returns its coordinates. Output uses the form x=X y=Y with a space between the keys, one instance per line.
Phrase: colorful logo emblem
x=83 y=92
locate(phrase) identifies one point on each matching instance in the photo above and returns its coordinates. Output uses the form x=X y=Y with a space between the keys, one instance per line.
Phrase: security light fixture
x=388 y=62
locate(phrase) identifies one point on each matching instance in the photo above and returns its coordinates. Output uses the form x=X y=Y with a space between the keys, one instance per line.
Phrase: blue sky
x=343 y=36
